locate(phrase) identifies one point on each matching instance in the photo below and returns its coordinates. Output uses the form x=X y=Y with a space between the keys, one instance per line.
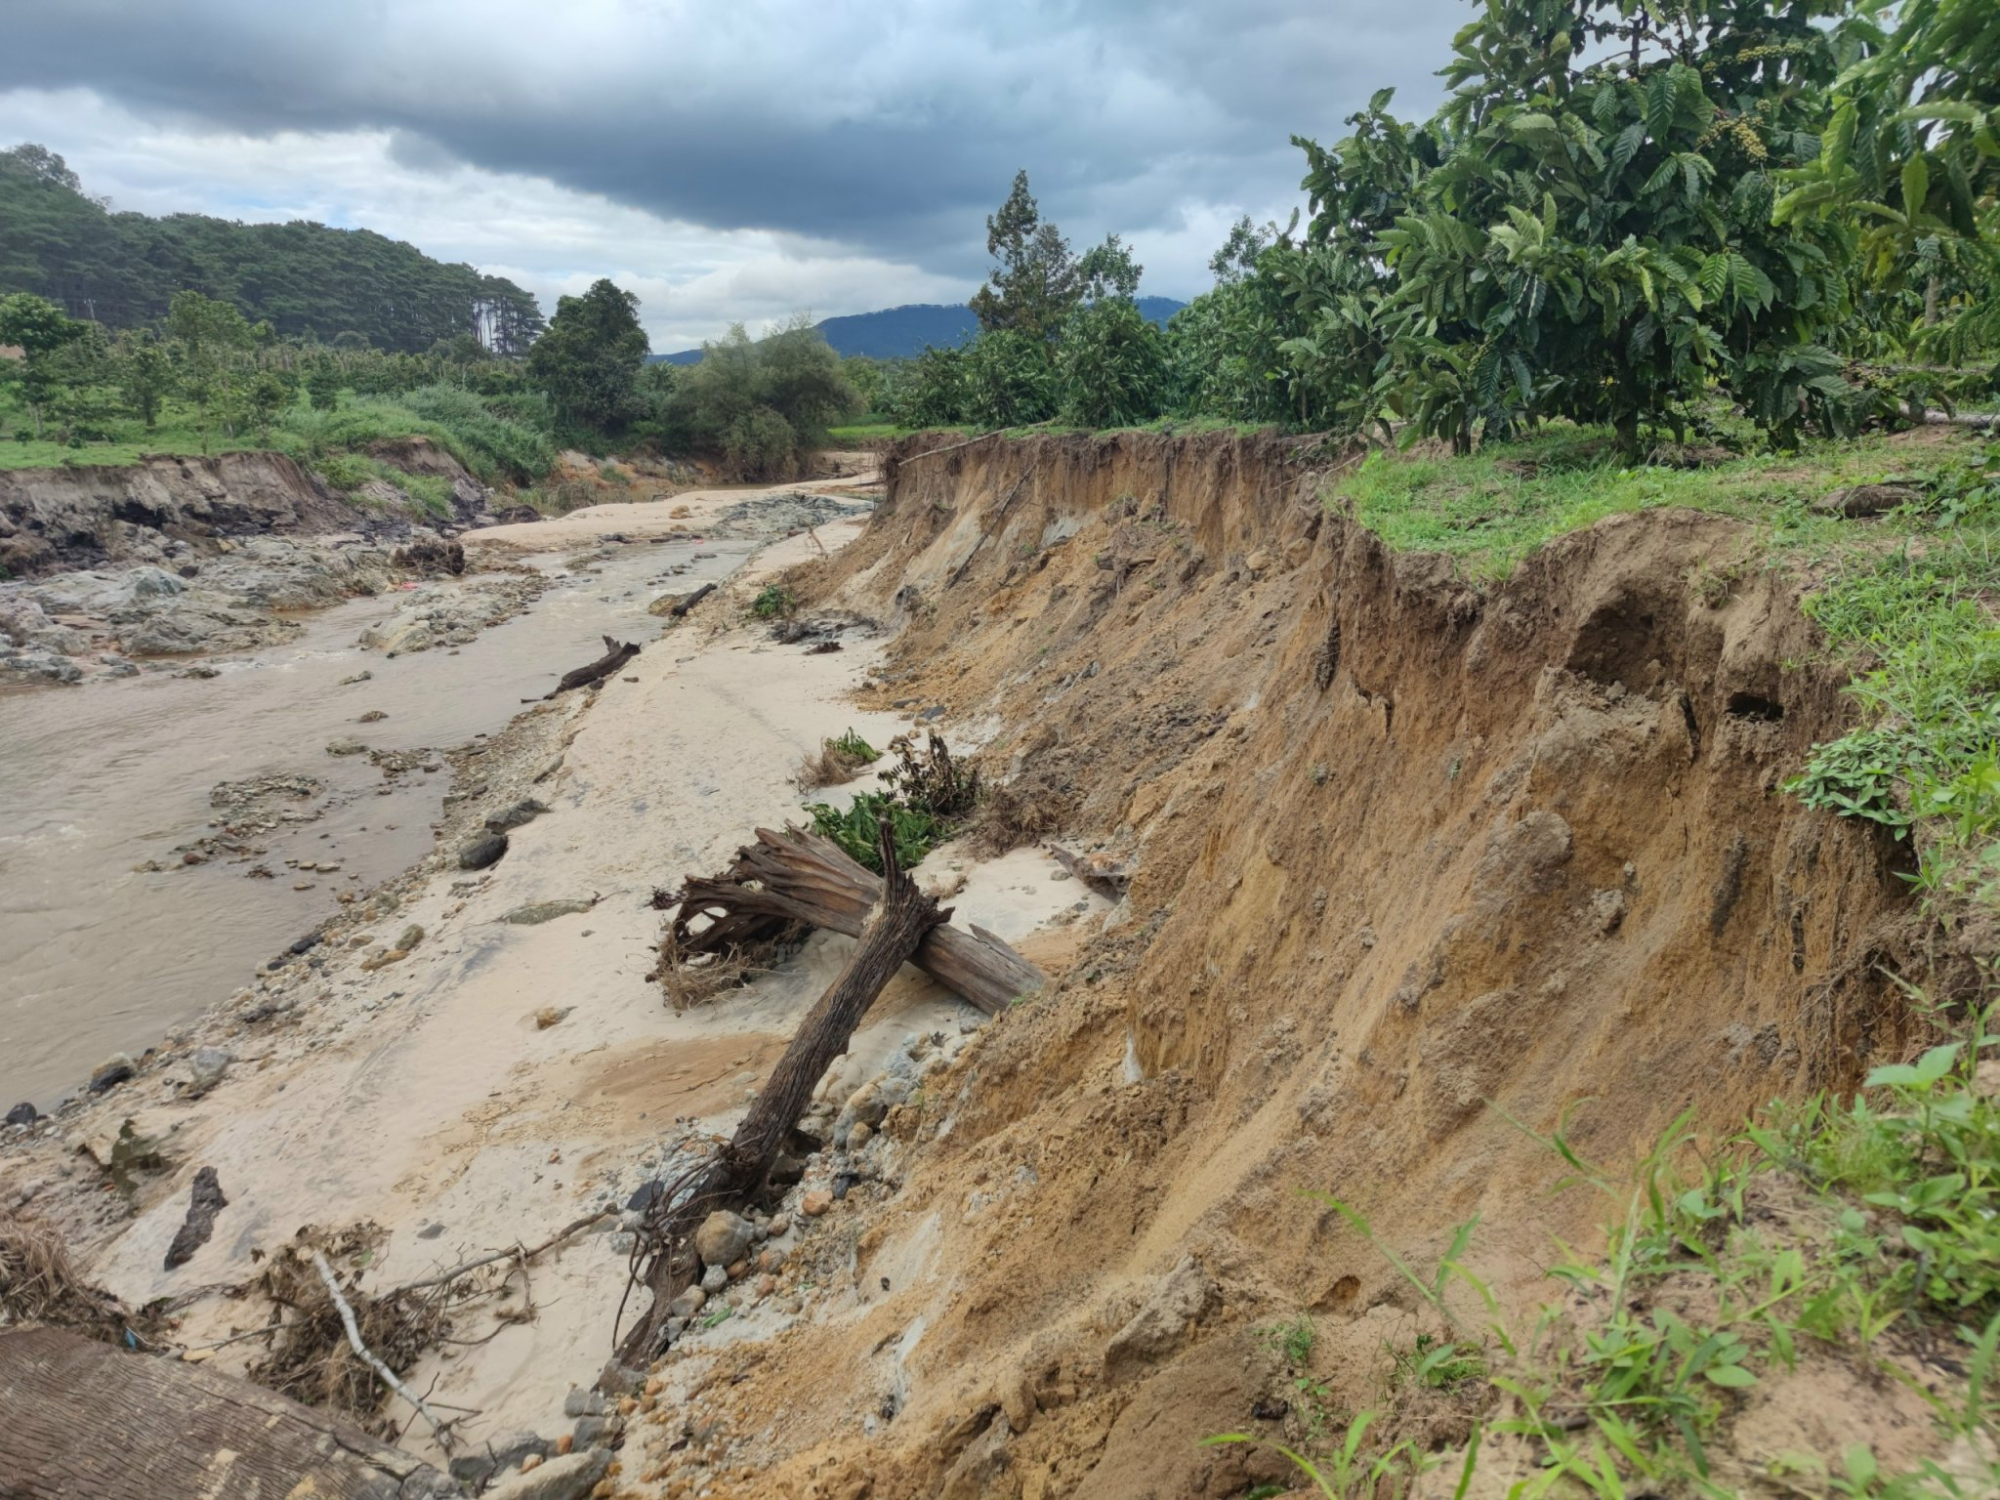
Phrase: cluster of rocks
x=753 y=1260
x=449 y=614
x=770 y=515
x=235 y=598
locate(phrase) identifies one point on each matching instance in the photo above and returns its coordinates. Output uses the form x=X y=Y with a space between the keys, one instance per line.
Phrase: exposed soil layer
x=175 y=506
x=1407 y=854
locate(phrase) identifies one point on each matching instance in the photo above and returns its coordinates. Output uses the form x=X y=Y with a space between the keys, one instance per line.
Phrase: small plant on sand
x=1861 y=1233
x=929 y=778
x=1346 y=1472
x=1294 y=1340
x=838 y=760
x=853 y=828
x=774 y=602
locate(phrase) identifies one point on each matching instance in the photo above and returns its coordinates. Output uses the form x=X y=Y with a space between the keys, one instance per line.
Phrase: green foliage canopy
x=589 y=360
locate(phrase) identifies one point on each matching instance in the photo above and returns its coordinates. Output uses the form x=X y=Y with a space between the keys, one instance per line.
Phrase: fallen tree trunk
x=86 y=1419
x=799 y=877
x=892 y=929
x=615 y=656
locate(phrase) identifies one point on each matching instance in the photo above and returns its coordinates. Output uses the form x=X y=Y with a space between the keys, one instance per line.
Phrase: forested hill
x=121 y=269
x=905 y=332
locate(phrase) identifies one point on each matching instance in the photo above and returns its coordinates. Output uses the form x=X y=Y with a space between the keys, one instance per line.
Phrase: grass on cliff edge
x=1846 y=1254
x=1907 y=601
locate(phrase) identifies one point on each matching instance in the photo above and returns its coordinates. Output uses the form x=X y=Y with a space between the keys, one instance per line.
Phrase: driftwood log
x=86 y=1421
x=614 y=657
x=679 y=611
x=899 y=919
x=796 y=876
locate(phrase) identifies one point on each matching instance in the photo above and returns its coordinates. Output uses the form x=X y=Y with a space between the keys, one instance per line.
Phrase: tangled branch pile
x=39 y=1284
x=310 y=1358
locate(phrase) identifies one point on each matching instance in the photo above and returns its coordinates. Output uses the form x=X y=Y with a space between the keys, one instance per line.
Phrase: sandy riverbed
x=423 y=1096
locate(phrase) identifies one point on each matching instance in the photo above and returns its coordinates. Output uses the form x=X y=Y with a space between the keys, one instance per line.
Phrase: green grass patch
x=1906 y=600
x=494 y=448
x=774 y=602
x=853 y=828
x=926 y=798
x=1491 y=509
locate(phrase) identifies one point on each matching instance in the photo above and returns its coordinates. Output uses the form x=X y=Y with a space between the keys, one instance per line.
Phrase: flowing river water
x=98 y=955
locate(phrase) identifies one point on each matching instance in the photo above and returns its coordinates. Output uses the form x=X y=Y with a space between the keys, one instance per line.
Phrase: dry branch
x=512 y=1252
x=1108 y=878
x=799 y=877
x=367 y=1356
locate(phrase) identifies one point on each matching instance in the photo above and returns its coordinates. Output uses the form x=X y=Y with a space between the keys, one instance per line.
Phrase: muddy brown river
x=98 y=956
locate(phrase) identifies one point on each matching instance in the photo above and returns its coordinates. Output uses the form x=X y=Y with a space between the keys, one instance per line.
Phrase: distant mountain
x=905 y=332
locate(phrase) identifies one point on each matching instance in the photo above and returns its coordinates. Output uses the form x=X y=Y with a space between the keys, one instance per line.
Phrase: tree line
x=308 y=281
x=1622 y=214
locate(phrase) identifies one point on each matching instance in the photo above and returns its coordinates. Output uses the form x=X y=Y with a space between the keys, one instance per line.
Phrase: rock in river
x=537 y=912
x=205 y=1069
x=113 y=1072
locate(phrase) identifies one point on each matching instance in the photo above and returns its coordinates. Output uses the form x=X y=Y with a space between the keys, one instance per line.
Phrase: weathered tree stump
x=892 y=929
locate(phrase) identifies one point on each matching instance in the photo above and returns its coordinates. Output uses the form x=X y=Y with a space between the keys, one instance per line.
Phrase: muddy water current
x=98 y=955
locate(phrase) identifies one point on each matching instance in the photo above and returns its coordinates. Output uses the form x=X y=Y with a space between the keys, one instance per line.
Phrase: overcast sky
x=736 y=160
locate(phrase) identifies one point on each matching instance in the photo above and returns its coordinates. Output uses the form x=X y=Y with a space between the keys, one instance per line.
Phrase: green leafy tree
x=1037 y=281
x=323 y=382
x=1111 y=370
x=761 y=405
x=145 y=377
x=932 y=389
x=84 y=380
x=208 y=338
x=1108 y=270
x=1593 y=239
x=1910 y=155
x=588 y=362
x=266 y=396
x=40 y=330
x=800 y=378
x=1006 y=381
x=866 y=377
x=122 y=269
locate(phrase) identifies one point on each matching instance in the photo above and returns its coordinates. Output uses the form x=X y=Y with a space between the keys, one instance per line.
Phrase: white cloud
x=692 y=282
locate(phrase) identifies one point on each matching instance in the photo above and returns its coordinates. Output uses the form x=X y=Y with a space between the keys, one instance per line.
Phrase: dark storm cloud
x=892 y=128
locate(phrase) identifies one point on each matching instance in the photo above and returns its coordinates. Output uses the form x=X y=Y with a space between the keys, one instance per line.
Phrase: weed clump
x=40 y=1284
x=774 y=602
x=837 y=761
x=926 y=799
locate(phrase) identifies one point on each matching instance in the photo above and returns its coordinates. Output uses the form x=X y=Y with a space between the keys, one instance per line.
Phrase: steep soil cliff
x=1410 y=857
